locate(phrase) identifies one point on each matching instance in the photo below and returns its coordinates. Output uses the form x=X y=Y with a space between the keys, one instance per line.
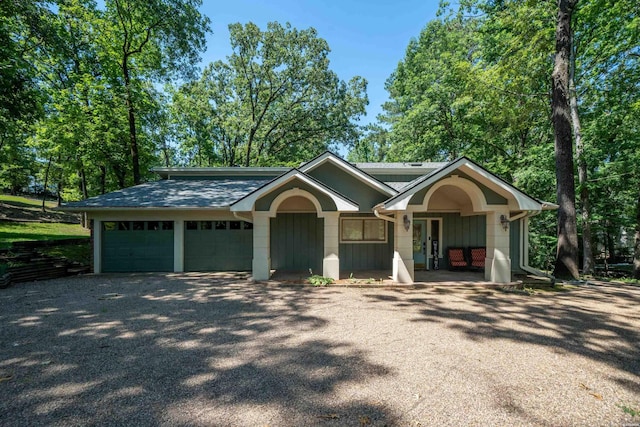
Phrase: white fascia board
x=524 y=202
x=401 y=201
x=350 y=169
x=247 y=203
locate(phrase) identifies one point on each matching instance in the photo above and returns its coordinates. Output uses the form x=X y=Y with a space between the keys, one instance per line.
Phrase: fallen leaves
x=587 y=388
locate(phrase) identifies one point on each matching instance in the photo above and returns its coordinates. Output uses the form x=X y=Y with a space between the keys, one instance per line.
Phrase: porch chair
x=477 y=256
x=456 y=257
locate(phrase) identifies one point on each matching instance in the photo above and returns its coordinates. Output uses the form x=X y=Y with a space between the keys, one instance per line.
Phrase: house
x=327 y=215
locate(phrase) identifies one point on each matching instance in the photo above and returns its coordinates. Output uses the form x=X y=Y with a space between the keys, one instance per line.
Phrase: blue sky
x=367 y=38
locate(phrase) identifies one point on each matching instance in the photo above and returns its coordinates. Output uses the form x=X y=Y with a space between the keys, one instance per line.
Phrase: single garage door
x=218 y=245
x=130 y=246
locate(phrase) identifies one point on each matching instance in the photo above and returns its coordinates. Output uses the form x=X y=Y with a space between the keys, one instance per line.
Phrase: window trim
x=359 y=242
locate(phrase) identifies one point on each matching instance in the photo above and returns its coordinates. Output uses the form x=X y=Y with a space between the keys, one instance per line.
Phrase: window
x=153 y=225
x=363 y=230
x=235 y=225
x=205 y=225
x=109 y=226
x=248 y=225
x=221 y=225
x=191 y=225
x=123 y=226
x=138 y=225
x=167 y=225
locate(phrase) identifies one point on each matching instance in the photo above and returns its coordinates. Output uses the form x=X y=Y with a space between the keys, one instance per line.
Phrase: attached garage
x=137 y=246
x=218 y=245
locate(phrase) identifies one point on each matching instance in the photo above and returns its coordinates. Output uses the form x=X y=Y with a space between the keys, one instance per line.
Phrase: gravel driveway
x=215 y=351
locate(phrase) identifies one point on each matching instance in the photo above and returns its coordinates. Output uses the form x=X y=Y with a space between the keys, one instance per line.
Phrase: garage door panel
x=218 y=249
x=126 y=250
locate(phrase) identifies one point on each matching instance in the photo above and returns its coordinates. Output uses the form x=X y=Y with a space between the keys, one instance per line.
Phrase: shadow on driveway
x=156 y=349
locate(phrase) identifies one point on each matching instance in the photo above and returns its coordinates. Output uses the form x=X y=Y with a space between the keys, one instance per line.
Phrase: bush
x=316 y=280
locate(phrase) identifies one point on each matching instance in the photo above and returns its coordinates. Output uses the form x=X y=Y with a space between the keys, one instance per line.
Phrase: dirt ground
x=216 y=350
x=22 y=212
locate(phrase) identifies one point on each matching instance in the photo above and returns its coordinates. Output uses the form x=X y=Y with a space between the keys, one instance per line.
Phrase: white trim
x=273 y=209
x=247 y=203
x=505 y=190
x=475 y=194
x=359 y=242
x=350 y=169
x=524 y=202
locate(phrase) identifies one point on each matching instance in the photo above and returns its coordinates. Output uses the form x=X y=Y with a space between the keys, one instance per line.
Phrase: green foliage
x=476 y=82
x=317 y=280
x=274 y=101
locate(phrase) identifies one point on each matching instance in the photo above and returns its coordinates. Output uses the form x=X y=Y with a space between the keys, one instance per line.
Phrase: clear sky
x=367 y=38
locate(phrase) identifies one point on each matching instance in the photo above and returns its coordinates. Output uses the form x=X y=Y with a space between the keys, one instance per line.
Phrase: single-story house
x=327 y=215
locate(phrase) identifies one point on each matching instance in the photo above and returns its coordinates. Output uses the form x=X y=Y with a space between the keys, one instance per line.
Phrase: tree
x=567 y=253
x=153 y=40
x=274 y=101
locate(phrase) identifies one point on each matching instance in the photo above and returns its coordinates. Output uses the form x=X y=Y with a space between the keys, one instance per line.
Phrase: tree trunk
x=46 y=183
x=587 y=250
x=566 y=265
x=133 y=139
x=103 y=179
x=636 y=252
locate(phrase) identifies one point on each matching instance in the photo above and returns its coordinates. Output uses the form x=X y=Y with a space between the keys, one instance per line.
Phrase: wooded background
x=92 y=97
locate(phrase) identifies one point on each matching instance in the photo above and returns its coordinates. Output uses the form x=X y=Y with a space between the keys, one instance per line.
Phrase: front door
x=420 y=244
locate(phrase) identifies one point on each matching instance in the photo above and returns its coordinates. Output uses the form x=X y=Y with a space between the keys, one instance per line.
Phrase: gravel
x=215 y=350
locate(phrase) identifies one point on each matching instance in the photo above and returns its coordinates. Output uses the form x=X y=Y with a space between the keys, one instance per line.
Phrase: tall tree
x=567 y=251
x=153 y=40
x=274 y=101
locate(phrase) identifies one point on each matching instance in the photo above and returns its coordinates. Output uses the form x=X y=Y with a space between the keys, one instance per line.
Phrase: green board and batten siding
x=228 y=249
x=137 y=250
x=264 y=203
x=367 y=256
x=297 y=242
x=459 y=231
x=515 y=245
x=344 y=183
x=490 y=196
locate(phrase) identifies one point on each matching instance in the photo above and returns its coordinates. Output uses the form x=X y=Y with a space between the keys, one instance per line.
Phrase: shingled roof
x=173 y=194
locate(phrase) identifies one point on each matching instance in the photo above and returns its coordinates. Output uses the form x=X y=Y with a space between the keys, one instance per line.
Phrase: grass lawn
x=25 y=202
x=20 y=231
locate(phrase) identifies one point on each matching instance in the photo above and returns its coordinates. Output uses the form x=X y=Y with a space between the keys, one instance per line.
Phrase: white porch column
x=178 y=246
x=403 y=248
x=97 y=246
x=331 y=260
x=497 y=264
x=261 y=246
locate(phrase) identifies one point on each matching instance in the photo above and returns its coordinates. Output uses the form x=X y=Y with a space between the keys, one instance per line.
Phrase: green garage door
x=130 y=246
x=218 y=245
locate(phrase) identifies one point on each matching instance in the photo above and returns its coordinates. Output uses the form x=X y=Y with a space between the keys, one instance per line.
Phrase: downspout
x=237 y=215
x=521 y=264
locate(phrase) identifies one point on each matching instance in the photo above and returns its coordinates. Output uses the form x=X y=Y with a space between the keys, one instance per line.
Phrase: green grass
x=20 y=231
x=24 y=202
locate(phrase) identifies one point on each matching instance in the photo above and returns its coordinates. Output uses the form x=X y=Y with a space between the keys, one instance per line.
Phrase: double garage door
x=139 y=246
